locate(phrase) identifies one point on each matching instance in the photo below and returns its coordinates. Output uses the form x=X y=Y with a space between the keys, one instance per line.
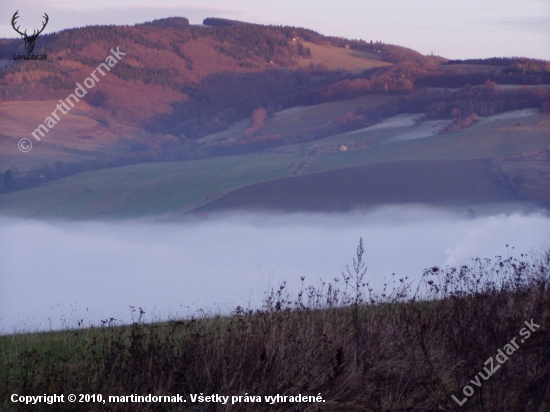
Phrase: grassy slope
x=77 y=131
x=337 y=58
x=294 y=122
x=152 y=189
x=145 y=189
x=484 y=140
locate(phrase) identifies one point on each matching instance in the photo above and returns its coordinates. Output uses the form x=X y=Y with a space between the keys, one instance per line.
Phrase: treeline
x=77 y=39
x=400 y=77
x=225 y=98
x=521 y=63
x=12 y=180
x=156 y=75
x=170 y=22
x=254 y=138
x=505 y=76
x=492 y=61
x=245 y=39
x=485 y=100
x=217 y=22
x=10 y=46
x=270 y=42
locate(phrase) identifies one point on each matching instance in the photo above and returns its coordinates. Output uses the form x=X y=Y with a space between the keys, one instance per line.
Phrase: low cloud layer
x=54 y=273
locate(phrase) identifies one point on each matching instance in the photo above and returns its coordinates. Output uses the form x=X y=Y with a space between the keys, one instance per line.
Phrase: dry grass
x=77 y=137
x=393 y=350
x=19 y=119
x=338 y=58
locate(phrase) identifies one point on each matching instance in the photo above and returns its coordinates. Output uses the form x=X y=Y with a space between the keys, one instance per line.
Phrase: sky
x=67 y=271
x=452 y=29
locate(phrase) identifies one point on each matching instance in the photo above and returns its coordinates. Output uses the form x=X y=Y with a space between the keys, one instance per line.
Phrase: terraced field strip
x=483 y=140
x=432 y=181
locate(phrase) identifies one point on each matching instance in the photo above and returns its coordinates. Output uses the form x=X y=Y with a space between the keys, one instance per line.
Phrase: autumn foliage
x=257 y=121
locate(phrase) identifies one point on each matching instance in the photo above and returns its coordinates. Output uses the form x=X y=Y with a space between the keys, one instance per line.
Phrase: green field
x=145 y=189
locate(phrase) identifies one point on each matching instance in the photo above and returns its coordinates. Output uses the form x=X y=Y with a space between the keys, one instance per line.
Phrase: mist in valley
x=55 y=274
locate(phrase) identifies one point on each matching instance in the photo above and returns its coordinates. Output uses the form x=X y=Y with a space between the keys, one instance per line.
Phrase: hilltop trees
x=512 y=63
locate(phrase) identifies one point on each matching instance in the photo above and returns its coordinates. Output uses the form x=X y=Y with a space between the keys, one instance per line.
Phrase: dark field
x=527 y=175
x=436 y=181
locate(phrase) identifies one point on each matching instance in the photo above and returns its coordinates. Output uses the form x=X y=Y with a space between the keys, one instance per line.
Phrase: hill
x=165 y=58
x=176 y=79
x=211 y=94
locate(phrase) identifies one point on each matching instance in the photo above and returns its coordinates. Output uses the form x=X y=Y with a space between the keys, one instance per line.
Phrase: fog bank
x=54 y=273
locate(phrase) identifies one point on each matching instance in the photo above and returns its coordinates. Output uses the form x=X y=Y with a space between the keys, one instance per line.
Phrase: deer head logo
x=29 y=40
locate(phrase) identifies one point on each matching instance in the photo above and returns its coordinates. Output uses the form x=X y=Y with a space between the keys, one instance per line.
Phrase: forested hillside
x=179 y=83
x=191 y=80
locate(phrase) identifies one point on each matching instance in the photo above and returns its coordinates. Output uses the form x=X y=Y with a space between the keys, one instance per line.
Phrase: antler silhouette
x=13 y=19
x=24 y=34
x=43 y=24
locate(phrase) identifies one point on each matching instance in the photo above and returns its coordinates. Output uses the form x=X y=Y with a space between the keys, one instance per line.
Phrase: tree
x=8 y=177
x=257 y=121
